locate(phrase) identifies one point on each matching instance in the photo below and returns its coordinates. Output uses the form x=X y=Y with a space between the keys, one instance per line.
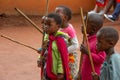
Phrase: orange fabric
x=71 y=58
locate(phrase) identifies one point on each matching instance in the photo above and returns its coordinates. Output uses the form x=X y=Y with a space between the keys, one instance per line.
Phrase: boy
x=107 y=38
x=94 y=23
x=66 y=15
x=55 y=58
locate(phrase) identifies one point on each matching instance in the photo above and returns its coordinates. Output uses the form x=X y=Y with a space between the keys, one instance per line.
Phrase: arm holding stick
x=84 y=49
x=85 y=33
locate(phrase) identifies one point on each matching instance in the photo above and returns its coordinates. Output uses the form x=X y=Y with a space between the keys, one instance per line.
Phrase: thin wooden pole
x=85 y=33
x=47 y=5
x=18 y=42
x=81 y=56
x=28 y=19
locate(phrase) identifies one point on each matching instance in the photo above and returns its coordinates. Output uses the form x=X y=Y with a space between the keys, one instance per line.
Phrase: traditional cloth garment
x=118 y=1
x=101 y=3
x=111 y=69
x=56 y=59
x=72 y=46
x=98 y=59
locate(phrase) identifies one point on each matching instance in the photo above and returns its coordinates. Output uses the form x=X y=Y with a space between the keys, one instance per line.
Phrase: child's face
x=60 y=11
x=50 y=26
x=102 y=43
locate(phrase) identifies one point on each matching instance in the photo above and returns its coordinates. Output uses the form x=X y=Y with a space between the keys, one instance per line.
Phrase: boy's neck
x=109 y=52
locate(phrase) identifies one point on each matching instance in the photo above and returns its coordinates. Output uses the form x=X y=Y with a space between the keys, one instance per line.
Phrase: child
x=94 y=23
x=107 y=38
x=100 y=5
x=66 y=27
x=115 y=14
x=55 y=58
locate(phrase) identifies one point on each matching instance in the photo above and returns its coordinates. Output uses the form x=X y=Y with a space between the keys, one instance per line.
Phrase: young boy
x=107 y=38
x=66 y=15
x=55 y=57
x=94 y=23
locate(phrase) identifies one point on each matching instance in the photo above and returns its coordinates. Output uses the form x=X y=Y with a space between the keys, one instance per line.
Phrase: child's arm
x=73 y=46
x=98 y=57
x=83 y=49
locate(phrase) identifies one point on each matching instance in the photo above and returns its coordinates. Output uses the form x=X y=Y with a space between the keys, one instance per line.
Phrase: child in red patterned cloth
x=67 y=28
x=54 y=58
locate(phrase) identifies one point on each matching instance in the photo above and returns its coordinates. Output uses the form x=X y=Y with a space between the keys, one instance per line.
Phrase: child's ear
x=111 y=43
x=66 y=17
x=94 y=29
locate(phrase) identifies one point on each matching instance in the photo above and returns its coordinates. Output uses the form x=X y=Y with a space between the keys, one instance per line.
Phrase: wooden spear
x=29 y=20
x=18 y=42
x=85 y=34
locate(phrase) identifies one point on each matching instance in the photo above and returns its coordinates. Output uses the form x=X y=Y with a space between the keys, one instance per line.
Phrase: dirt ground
x=18 y=62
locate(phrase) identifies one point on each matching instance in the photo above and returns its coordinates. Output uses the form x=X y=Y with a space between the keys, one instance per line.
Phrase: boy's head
x=64 y=12
x=94 y=23
x=51 y=23
x=107 y=38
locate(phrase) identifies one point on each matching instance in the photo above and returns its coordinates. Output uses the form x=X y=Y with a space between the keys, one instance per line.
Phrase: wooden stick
x=81 y=57
x=47 y=6
x=85 y=33
x=42 y=67
x=18 y=42
x=28 y=19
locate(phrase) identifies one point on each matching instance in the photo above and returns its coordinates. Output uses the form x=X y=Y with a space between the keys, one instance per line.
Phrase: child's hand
x=95 y=76
x=39 y=50
x=78 y=76
x=83 y=49
x=60 y=76
x=39 y=63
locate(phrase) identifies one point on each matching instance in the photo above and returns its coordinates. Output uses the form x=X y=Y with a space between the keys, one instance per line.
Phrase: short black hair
x=56 y=17
x=67 y=11
x=95 y=20
x=110 y=34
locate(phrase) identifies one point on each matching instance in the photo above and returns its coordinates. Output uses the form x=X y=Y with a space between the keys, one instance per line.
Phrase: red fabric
x=102 y=5
x=118 y=1
x=98 y=59
x=64 y=56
